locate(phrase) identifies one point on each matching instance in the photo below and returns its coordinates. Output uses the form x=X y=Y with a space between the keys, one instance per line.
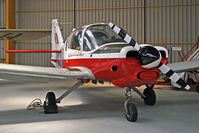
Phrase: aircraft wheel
x=197 y=88
x=131 y=111
x=150 y=96
x=50 y=105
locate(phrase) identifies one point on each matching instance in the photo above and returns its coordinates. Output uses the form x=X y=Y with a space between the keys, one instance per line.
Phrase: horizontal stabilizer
x=23 y=34
x=33 y=51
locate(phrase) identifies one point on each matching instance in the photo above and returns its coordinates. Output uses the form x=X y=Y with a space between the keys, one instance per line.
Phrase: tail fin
x=56 y=40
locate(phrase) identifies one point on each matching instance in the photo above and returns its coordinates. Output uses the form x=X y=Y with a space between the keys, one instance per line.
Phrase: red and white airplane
x=104 y=52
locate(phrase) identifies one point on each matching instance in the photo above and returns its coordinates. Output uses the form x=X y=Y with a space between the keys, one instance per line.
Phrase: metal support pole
x=74 y=14
x=10 y=24
x=198 y=40
x=144 y=21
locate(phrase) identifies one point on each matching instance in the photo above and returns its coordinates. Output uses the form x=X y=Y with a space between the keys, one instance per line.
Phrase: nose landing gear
x=131 y=112
x=148 y=95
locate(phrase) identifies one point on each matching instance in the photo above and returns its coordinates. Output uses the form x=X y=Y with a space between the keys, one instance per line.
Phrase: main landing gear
x=131 y=113
x=148 y=95
x=50 y=103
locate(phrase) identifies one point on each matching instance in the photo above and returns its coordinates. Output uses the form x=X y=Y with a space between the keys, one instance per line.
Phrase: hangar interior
x=169 y=23
x=97 y=108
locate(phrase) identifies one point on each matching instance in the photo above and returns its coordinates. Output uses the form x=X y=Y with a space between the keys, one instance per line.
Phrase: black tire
x=131 y=112
x=50 y=104
x=150 y=96
x=197 y=88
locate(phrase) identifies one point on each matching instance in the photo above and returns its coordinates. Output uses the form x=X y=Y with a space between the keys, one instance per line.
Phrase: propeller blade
x=173 y=76
x=126 y=37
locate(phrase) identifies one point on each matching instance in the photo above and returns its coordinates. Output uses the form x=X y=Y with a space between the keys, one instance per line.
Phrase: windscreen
x=93 y=37
x=102 y=34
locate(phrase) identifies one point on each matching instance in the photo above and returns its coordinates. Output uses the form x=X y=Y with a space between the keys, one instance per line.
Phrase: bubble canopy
x=91 y=37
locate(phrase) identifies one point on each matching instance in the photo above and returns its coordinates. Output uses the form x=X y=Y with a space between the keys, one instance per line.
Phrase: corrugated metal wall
x=123 y=12
x=38 y=14
x=2 y=26
x=149 y=21
x=2 y=14
x=172 y=21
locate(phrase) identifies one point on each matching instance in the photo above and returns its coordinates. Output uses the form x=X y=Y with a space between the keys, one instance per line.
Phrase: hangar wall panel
x=2 y=13
x=172 y=21
x=37 y=14
x=149 y=21
x=2 y=26
x=122 y=12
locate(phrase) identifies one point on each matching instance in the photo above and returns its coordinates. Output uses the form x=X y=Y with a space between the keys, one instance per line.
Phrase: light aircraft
x=103 y=52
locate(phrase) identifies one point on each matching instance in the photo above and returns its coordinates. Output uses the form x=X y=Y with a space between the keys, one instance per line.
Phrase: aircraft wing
x=185 y=66
x=23 y=34
x=46 y=72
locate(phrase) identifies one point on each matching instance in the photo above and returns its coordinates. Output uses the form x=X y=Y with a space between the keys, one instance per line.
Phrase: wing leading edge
x=49 y=72
x=185 y=66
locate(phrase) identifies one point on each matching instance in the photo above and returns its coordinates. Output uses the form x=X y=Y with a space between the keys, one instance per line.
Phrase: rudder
x=56 y=40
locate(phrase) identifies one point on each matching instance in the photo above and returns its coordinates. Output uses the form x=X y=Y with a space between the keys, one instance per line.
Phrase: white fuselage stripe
x=95 y=56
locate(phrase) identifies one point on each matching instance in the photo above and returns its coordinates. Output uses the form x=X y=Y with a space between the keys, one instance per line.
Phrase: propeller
x=149 y=57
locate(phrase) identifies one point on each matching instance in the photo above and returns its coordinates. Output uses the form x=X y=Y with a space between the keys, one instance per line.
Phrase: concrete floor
x=96 y=109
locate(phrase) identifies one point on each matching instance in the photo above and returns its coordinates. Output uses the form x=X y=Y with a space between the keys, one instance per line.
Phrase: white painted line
x=2 y=79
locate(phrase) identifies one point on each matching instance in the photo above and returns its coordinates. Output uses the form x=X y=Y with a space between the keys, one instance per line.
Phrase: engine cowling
x=150 y=57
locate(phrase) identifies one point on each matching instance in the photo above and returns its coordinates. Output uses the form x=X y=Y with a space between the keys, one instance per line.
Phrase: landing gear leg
x=131 y=112
x=50 y=103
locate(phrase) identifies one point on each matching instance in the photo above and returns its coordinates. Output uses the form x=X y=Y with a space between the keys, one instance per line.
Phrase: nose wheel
x=131 y=112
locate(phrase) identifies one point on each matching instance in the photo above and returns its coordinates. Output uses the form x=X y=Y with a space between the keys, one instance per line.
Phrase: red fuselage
x=122 y=72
